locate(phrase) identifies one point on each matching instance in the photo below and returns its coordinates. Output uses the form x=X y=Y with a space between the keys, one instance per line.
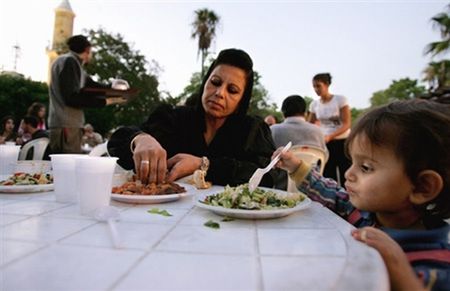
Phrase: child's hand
x=401 y=274
x=288 y=161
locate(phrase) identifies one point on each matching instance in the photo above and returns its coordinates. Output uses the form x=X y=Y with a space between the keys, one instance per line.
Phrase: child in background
x=397 y=190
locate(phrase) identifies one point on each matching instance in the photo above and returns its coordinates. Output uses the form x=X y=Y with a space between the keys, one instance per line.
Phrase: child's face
x=377 y=181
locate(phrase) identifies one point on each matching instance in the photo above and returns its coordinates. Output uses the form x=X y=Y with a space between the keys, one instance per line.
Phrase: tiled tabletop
x=47 y=245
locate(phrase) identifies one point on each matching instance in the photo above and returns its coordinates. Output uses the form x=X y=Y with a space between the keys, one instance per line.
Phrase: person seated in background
x=39 y=111
x=215 y=134
x=7 y=133
x=90 y=137
x=295 y=128
x=30 y=126
x=270 y=120
x=397 y=190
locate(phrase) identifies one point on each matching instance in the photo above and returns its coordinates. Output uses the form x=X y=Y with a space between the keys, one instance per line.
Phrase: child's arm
x=309 y=181
x=401 y=274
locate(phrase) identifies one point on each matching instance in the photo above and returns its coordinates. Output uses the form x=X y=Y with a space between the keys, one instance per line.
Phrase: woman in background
x=39 y=111
x=333 y=113
x=7 y=133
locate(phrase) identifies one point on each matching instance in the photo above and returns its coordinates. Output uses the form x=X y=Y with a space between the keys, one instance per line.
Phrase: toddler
x=396 y=191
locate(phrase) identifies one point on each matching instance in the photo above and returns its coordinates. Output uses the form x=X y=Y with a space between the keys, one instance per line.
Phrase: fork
x=259 y=173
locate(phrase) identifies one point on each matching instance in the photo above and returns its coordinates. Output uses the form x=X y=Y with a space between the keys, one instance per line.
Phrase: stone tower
x=62 y=30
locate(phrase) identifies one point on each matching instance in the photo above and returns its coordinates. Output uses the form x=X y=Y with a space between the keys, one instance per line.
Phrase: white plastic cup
x=9 y=154
x=94 y=182
x=64 y=180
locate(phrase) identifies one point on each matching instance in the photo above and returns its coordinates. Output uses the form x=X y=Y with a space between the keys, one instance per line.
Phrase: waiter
x=67 y=97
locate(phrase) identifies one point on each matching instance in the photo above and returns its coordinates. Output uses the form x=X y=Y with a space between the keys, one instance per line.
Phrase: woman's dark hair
x=4 y=121
x=34 y=109
x=418 y=131
x=323 y=77
x=293 y=105
x=239 y=59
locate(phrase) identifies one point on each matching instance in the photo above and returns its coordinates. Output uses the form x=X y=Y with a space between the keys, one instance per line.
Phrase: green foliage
x=115 y=58
x=259 y=104
x=437 y=74
x=356 y=113
x=399 y=90
x=17 y=94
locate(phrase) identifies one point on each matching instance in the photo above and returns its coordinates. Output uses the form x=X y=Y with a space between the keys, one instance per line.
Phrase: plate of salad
x=262 y=203
x=26 y=183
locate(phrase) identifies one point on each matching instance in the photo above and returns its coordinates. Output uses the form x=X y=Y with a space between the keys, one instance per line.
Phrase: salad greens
x=160 y=212
x=212 y=224
x=240 y=197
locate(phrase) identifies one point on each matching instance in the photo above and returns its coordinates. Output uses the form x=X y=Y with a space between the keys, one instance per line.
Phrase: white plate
x=26 y=188
x=256 y=214
x=154 y=199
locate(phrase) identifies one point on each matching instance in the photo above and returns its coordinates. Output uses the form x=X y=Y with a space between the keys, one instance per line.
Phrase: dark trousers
x=336 y=160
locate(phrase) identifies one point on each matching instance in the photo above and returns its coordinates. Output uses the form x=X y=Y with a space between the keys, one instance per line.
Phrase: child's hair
x=418 y=131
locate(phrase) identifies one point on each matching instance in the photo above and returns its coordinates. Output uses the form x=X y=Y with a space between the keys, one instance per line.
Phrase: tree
x=441 y=22
x=114 y=55
x=399 y=90
x=437 y=74
x=18 y=93
x=204 y=28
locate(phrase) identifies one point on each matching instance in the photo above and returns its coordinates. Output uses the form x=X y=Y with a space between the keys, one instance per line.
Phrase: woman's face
x=41 y=113
x=9 y=125
x=320 y=87
x=223 y=91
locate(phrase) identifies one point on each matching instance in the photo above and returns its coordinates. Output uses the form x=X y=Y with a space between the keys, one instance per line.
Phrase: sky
x=365 y=45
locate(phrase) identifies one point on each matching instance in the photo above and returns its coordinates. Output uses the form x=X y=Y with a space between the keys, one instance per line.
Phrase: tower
x=62 y=30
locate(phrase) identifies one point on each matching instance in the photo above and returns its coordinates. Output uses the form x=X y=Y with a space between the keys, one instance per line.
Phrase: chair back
x=315 y=156
x=38 y=145
x=99 y=150
x=312 y=155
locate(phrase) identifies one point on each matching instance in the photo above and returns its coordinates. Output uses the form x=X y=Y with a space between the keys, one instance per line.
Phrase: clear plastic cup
x=64 y=180
x=9 y=155
x=94 y=182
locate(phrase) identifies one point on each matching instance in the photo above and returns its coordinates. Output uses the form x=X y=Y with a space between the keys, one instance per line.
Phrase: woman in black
x=217 y=132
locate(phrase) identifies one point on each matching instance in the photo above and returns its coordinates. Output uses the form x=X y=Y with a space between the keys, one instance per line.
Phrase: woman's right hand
x=150 y=159
x=288 y=161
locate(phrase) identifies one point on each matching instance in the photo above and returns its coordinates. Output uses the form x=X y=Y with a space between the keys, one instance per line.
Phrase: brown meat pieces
x=137 y=188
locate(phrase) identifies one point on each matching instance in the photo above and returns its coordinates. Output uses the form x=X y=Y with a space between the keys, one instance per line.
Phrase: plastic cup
x=64 y=181
x=94 y=182
x=9 y=155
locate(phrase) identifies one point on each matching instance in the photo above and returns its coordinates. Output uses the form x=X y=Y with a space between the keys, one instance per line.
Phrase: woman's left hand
x=182 y=165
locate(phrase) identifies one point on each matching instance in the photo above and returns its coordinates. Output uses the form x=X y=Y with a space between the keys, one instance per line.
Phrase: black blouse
x=240 y=146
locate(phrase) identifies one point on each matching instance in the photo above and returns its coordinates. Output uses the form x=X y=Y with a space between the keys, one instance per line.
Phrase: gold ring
x=147 y=162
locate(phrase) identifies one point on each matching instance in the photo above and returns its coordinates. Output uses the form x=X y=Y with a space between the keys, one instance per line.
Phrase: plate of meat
x=137 y=193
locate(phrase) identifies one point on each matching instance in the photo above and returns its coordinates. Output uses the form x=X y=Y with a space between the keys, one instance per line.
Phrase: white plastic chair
x=99 y=150
x=310 y=154
x=38 y=145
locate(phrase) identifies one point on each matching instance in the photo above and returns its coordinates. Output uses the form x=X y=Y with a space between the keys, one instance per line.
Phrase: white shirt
x=329 y=114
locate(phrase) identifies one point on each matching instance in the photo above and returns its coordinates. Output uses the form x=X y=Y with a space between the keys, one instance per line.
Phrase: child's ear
x=428 y=186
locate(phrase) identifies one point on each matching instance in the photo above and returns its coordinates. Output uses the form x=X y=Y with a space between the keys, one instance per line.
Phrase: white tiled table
x=47 y=245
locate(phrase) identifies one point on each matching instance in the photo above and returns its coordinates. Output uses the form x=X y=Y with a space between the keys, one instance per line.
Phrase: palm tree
x=204 y=28
x=437 y=74
x=442 y=23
